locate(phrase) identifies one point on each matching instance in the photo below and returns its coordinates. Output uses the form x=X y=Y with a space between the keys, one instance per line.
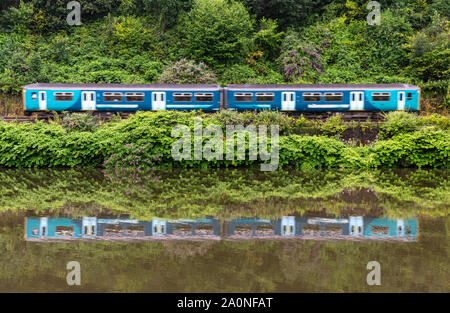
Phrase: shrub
x=310 y=151
x=128 y=36
x=187 y=72
x=214 y=31
x=80 y=122
x=238 y=74
x=334 y=126
x=427 y=147
x=20 y=19
x=399 y=122
x=285 y=123
x=440 y=121
x=145 y=141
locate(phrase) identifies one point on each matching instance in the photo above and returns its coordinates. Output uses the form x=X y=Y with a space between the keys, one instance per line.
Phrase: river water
x=224 y=230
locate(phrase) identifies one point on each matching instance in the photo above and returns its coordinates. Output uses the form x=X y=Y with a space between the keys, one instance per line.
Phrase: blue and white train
x=210 y=97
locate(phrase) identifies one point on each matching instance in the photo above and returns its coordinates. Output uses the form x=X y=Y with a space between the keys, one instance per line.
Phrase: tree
x=214 y=31
x=429 y=52
x=287 y=12
x=165 y=11
x=267 y=39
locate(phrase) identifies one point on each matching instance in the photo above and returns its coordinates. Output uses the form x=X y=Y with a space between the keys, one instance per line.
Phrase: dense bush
x=427 y=147
x=187 y=72
x=401 y=122
x=214 y=31
x=80 y=122
x=145 y=140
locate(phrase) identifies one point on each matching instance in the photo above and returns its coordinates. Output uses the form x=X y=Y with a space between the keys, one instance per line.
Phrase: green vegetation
x=236 y=41
x=226 y=193
x=145 y=140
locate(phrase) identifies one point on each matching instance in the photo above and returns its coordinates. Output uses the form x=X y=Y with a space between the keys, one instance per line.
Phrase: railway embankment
x=147 y=140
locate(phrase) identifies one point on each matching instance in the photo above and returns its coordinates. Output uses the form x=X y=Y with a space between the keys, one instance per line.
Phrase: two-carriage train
x=210 y=97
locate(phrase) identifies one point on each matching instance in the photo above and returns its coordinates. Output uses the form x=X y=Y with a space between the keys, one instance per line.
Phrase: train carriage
x=352 y=97
x=210 y=97
x=120 y=97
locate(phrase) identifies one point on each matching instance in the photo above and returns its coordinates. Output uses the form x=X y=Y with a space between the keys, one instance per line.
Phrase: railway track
x=357 y=116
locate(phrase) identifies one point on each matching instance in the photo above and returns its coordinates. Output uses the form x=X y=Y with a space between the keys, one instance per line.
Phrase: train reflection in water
x=287 y=227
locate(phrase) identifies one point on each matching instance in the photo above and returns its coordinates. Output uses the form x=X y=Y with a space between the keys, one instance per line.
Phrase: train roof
x=324 y=87
x=212 y=87
x=142 y=87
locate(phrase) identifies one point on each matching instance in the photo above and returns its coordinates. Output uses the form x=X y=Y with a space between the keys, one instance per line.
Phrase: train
x=212 y=97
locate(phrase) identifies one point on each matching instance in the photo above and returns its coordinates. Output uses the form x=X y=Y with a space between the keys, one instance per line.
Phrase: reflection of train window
x=204 y=230
x=136 y=230
x=65 y=231
x=113 y=230
x=288 y=229
x=380 y=230
x=264 y=230
x=312 y=230
x=243 y=230
x=158 y=228
x=333 y=230
x=182 y=230
x=89 y=230
x=358 y=230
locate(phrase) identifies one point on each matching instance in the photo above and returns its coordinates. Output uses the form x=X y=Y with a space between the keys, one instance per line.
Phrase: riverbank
x=145 y=141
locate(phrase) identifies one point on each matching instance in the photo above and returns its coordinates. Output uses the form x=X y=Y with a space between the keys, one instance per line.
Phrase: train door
x=42 y=100
x=357 y=100
x=88 y=101
x=158 y=101
x=288 y=101
x=401 y=100
x=43 y=226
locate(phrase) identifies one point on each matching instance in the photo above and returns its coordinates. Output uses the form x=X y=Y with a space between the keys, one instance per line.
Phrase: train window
x=311 y=96
x=265 y=96
x=63 y=96
x=33 y=96
x=112 y=96
x=333 y=96
x=409 y=96
x=182 y=97
x=134 y=96
x=241 y=97
x=381 y=96
x=203 y=97
x=158 y=96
